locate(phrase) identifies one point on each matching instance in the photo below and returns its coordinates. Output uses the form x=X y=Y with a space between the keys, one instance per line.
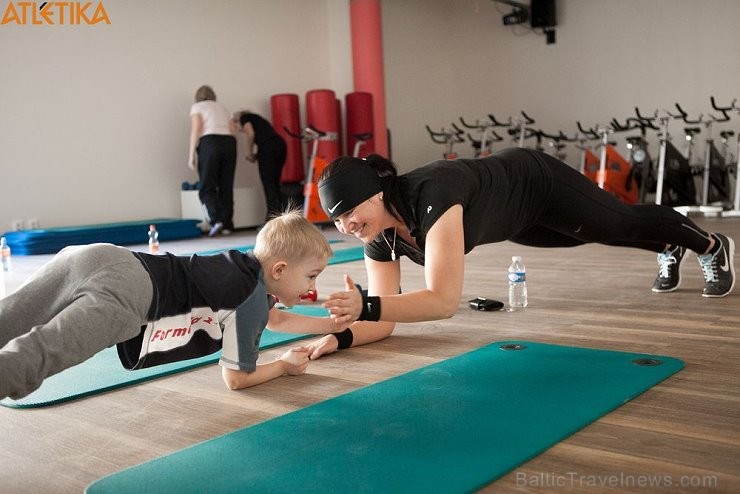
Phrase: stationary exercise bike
x=671 y=178
x=717 y=185
x=639 y=155
x=449 y=138
x=611 y=172
x=715 y=182
x=556 y=144
x=516 y=127
x=732 y=162
x=482 y=146
x=735 y=211
x=316 y=164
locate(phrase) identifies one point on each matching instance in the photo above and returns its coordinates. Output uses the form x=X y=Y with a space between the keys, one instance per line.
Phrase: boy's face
x=288 y=280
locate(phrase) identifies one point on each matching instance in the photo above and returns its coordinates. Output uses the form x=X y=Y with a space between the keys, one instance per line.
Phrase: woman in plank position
x=439 y=212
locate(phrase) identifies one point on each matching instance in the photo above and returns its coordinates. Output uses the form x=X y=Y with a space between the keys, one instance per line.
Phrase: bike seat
x=691 y=131
x=363 y=137
x=727 y=133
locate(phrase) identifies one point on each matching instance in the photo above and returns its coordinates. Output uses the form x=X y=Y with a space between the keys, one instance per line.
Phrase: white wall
x=94 y=119
x=452 y=58
x=94 y=123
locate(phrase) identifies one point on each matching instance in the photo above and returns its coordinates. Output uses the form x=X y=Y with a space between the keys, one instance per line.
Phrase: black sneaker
x=669 y=273
x=719 y=267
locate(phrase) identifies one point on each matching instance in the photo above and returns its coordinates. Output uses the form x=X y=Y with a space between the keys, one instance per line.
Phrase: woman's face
x=364 y=220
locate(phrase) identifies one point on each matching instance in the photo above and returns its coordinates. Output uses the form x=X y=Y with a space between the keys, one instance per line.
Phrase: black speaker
x=542 y=13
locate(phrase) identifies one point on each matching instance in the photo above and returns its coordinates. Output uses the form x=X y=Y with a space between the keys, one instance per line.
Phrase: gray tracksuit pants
x=84 y=300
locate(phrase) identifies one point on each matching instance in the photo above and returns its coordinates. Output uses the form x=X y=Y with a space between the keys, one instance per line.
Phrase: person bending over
x=270 y=156
x=439 y=212
x=164 y=308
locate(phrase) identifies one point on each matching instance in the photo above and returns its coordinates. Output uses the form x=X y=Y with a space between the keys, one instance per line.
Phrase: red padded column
x=367 y=61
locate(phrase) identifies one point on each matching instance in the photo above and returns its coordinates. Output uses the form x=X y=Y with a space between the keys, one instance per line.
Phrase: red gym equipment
x=286 y=115
x=360 y=124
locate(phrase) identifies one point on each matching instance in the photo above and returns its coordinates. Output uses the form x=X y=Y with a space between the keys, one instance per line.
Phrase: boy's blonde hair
x=291 y=236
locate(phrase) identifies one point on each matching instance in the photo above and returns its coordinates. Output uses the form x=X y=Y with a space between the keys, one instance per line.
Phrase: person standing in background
x=270 y=157
x=213 y=157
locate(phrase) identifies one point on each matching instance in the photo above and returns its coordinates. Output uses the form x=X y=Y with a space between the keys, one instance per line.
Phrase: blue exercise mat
x=450 y=427
x=104 y=372
x=52 y=240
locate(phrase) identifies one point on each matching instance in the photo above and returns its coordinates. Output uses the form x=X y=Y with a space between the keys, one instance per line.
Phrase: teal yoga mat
x=104 y=372
x=454 y=426
x=340 y=255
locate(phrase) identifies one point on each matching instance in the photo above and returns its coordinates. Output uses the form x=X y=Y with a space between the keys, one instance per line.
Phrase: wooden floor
x=686 y=430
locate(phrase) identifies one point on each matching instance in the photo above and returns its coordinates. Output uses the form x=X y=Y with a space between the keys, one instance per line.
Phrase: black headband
x=347 y=188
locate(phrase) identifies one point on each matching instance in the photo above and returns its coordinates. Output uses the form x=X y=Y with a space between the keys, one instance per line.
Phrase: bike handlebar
x=722 y=109
x=477 y=124
x=496 y=123
x=527 y=118
x=685 y=116
x=310 y=130
x=590 y=132
x=445 y=135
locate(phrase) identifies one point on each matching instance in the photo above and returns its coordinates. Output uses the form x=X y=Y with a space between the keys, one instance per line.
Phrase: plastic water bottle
x=5 y=254
x=153 y=240
x=517 y=284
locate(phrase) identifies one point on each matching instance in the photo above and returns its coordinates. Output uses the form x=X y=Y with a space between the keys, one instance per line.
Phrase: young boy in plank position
x=164 y=308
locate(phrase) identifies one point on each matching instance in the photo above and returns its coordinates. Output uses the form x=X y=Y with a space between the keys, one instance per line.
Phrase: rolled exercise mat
x=104 y=372
x=52 y=240
x=285 y=112
x=359 y=108
x=454 y=426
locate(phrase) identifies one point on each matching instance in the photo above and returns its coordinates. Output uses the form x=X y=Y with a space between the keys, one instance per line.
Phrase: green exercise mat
x=104 y=372
x=454 y=426
x=347 y=255
x=340 y=255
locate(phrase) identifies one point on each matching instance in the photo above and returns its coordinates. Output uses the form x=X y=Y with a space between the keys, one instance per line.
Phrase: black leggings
x=577 y=212
x=216 y=169
x=271 y=159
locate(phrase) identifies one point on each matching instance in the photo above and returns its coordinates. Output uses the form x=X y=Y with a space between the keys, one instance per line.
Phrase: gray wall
x=448 y=59
x=94 y=119
x=94 y=123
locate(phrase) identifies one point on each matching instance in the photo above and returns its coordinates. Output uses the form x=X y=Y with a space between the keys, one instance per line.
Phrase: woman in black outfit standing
x=270 y=157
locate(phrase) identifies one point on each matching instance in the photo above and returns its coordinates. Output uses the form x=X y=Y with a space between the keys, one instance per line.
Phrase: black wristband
x=370 y=308
x=344 y=339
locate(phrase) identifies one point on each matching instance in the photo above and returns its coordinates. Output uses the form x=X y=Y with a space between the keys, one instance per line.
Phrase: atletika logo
x=54 y=13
